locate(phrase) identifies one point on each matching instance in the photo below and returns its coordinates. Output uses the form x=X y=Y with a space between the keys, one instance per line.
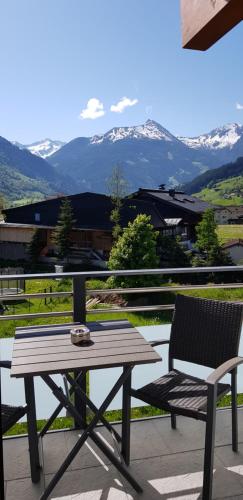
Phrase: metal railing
x=79 y=290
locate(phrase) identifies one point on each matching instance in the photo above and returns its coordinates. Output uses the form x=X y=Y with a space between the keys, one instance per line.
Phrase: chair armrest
x=223 y=369
x=5 y=364
x=154 y=343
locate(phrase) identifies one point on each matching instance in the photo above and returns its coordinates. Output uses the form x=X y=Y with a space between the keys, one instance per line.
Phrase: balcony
x=167 y=463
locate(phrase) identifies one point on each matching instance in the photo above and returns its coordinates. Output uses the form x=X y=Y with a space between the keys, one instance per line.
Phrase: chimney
x=172 y=193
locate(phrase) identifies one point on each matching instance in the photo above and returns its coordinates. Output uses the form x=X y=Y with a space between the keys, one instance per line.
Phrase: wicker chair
x=8 y=417
x=206 y=332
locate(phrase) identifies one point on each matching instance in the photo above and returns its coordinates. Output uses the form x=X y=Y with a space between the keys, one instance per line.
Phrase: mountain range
x=24 y=176
x=148 y=154
x=224 y=143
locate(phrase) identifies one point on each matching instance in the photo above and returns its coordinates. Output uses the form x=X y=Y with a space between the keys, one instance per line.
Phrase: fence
x=99 y=382
x=79 y=290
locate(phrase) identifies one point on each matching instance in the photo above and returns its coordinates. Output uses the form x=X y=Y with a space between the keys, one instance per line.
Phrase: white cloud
x=239 y=106
x=124 y=103
x=93 y=110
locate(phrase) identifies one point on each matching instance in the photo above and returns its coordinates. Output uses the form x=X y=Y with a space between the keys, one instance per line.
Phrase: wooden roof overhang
x=204 y=22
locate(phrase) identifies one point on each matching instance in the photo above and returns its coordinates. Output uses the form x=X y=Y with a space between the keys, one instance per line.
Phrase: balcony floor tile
x=167 y=463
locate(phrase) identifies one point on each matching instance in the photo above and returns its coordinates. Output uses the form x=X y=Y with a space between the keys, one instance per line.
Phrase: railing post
x=79 y=299
x=79 y=315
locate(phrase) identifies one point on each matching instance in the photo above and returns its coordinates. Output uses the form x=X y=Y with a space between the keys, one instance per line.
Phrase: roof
x=205 y=22
x=132 y=208
x=177 y=198
x=233 y=243
x=91 y=211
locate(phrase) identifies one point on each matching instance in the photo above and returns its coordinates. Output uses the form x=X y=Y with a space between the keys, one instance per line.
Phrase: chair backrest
x=205 y=331
x=1 y=450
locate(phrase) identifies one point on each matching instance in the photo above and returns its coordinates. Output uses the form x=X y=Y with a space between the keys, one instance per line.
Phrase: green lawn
x=230 y=232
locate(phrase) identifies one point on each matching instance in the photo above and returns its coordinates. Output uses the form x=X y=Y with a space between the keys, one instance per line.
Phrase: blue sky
x=56 y=55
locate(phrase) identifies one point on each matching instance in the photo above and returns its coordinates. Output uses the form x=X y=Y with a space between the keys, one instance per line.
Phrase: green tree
x=3 y=205
x=171 y=253
x=208 y=244
x=35 y=246
x=207 y=237
x=135 y=249
x=63 y=229
x=117 y=188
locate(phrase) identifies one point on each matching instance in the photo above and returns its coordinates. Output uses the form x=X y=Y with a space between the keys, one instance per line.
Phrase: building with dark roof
x=172 y=204
x=91 y=212
x=171 y=213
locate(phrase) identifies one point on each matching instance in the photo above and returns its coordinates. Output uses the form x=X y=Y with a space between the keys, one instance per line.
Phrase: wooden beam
x=204 y=22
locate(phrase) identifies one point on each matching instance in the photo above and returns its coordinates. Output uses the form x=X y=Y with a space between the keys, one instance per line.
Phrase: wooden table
x=43 y=351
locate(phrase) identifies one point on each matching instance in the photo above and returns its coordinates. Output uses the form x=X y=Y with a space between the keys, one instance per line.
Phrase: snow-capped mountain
x=150 y=130
x=219 y=138
x=43 y=148
x=27 y=176
x=148 y=154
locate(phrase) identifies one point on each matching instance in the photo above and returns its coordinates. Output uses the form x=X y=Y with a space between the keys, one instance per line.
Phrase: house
x=235 y=250
x=176 y=208
x=229 y=214
x=171 y=213
x=92 y=230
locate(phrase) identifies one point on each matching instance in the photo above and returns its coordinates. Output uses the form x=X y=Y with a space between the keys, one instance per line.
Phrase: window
x=37 y=217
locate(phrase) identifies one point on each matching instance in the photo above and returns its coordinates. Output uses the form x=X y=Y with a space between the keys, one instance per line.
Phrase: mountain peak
x=222 y=137
x=149 y=130
x=152 y=122
x=43 y=148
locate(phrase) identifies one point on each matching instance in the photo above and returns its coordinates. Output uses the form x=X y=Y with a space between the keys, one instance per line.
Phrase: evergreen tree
x=2 y=203
x=35 y=246
x=117 y=188
x=208 y=243
x=171 y=253
x=63 y=229
x=207 y=237
x=135 y=249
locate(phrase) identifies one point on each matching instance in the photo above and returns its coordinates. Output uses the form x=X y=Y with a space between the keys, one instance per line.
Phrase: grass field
x=230 y=232
x=227 y=192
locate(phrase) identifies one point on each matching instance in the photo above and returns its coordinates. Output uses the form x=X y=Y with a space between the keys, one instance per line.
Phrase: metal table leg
x=58 y=409
x=126 y=418
x=79 y=405
x=89 y=430
x=32 y=429
x=76 y=387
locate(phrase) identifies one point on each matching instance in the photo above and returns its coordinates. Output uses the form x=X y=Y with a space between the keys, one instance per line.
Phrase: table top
x=47 y=349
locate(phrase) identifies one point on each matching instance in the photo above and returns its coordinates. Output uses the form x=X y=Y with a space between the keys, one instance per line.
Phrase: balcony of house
x=166 y=463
